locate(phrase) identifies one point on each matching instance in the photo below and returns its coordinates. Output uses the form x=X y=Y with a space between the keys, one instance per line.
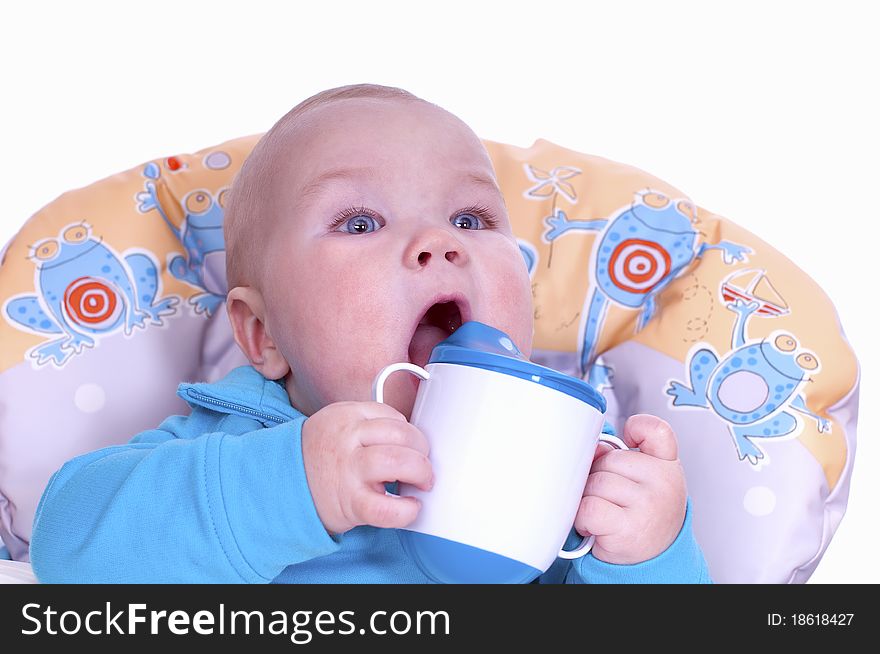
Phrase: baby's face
x=389 y=232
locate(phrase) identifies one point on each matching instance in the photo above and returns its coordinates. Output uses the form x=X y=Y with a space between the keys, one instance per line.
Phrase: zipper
x=237 y=407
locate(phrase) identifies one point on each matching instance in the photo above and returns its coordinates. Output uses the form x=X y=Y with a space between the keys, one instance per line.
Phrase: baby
x=363 y=229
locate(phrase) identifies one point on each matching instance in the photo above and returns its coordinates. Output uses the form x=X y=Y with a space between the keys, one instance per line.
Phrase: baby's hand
x=349 y=450
x=634 y=502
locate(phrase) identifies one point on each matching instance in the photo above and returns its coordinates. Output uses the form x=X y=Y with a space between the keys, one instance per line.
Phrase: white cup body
x=510 y=459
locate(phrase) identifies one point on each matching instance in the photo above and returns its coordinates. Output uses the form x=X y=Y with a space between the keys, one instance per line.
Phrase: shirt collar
x=245 y=392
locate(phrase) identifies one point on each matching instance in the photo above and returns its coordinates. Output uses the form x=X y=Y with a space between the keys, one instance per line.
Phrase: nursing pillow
x=113 y=294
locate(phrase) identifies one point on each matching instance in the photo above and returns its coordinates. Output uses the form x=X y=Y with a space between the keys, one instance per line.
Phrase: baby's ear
x=246 y=310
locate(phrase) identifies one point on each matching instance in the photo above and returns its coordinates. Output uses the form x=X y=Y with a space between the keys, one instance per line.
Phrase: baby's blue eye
x=360 y=224
x=467 y=221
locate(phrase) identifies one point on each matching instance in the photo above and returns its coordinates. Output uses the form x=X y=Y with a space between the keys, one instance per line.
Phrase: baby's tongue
x=423 y=341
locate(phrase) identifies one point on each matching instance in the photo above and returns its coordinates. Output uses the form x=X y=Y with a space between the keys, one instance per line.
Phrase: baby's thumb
x=652 y=435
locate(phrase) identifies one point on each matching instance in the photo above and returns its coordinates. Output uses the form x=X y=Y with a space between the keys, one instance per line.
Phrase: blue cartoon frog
x=641 y=250
x=529 y=254
x=85 y=289
x=752 y=386
x=201 y=235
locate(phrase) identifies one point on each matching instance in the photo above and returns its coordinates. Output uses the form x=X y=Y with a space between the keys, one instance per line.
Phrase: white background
x=764 y=112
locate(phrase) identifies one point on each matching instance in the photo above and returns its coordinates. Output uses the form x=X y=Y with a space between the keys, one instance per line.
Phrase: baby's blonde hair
x=255 y=180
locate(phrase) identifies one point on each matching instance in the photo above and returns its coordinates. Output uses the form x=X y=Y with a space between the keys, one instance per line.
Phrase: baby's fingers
x=388 y=431
x=612 y=487
x=389 y=463
x=377 y=509
x=598 y=516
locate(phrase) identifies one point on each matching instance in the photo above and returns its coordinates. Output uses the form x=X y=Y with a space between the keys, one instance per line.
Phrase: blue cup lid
x=481 y=346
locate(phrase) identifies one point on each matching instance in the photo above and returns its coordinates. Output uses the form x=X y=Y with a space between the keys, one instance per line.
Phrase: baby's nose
x=435 y=245
x=425 y=256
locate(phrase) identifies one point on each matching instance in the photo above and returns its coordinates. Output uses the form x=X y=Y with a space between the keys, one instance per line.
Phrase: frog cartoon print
x=85 y=290
x=754 y=387
x=641 y=249
x=529 y=254
x=200 y=234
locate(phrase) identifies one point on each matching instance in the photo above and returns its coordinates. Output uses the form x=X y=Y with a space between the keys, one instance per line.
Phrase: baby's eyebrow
x=335 y=174
x=482 y=180
x=342 y=174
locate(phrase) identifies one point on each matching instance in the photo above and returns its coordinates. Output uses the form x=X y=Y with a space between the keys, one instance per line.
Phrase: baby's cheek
x=511 y=306
x=334 y=371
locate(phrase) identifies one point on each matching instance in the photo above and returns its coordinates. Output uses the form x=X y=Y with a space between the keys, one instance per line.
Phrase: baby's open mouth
x=438 y=322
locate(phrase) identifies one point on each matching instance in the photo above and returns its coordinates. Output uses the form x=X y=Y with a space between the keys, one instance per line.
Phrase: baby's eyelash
x=351 y=212
x=482 y=212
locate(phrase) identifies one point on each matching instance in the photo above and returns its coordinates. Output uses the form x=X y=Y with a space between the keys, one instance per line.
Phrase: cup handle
x=379 y=384
x=587 y=543
x=379 y=381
